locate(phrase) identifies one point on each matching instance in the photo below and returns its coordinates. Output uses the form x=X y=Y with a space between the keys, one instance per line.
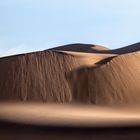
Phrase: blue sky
x=30 y=25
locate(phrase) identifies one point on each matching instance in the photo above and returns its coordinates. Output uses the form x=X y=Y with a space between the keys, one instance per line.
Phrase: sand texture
x=76 y=73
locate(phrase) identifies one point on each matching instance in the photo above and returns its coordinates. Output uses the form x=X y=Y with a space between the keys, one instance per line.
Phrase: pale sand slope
x=87 y=59
x=116 y=81
x=41 y=76
x=70 y=115
x=73 y=73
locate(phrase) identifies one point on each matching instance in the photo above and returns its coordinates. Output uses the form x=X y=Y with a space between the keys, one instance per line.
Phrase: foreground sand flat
x=76 y=91
x=70 y=115
x=81 y=73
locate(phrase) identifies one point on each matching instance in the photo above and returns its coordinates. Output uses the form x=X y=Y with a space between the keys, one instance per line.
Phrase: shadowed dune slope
x=89 y=48
x=86 y=48
x=116 y=81
x=72 y=73
x=36 y=76
x=41 y=76
x=128 y=49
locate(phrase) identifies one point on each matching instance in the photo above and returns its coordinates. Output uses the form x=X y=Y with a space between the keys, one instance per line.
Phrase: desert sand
x=76 y=85
x=73 y=73
x=70 y=115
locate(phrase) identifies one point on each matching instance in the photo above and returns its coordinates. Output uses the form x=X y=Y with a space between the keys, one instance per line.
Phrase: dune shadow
x=85 y=48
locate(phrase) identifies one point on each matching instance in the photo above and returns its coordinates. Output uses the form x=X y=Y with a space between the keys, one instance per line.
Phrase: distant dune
x=86 y=48
x=89 y=48
x=73 y=73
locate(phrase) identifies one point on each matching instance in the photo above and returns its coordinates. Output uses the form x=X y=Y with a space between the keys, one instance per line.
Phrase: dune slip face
x=36 y=77
x=113 y=82
x=73 y=73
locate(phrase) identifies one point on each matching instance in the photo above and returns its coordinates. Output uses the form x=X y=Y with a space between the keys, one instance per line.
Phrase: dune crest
x=73 y=73
x=37 y=76
x=85 y=48
x=114 y=82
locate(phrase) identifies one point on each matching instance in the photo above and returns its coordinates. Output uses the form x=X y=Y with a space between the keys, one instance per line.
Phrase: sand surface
x=70 y=115
x=76 y=86
x=73 y=73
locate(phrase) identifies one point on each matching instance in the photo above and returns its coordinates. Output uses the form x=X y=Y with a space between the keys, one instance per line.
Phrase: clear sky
x=29 y=25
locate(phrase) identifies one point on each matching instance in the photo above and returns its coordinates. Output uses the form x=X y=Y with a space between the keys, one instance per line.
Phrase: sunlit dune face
x=76 y=73
x=115 y=81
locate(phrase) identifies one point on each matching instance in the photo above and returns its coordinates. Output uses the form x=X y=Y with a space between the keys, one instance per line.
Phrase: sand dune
x=128 y=49
x=70 y=115
x=86 y=48
x=115 y=81
x=68 y=122
x=97 y=86
x=73 y=73
x=37 y=76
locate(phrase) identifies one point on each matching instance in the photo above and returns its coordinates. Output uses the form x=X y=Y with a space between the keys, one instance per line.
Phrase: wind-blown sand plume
x=114 y=82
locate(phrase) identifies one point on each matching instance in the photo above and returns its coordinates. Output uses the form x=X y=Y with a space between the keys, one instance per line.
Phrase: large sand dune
x=115 y=81
x=73 y=73
x=88 y=48
x=85 y=48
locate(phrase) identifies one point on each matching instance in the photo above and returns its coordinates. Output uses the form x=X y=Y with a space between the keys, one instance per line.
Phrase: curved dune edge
x=128 y=49
x=85 y=48
x=41 y=76
x=115 y=82
x=36 y=76
x=90 y=48
x=73 y=73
